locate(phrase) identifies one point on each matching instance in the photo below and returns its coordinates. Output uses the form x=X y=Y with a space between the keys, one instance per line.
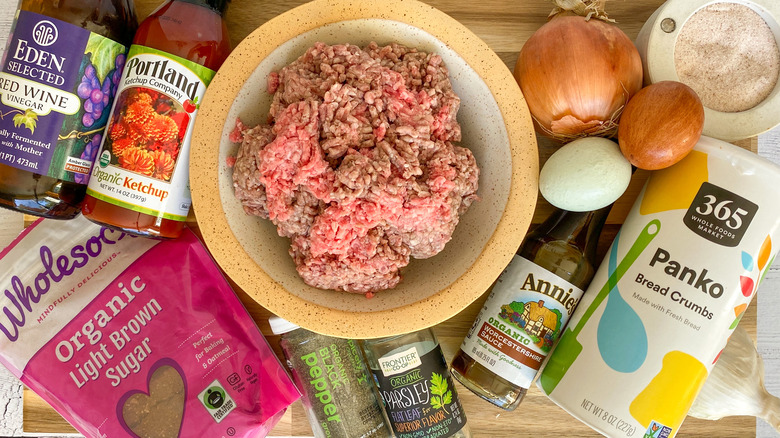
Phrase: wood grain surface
x=504 y=25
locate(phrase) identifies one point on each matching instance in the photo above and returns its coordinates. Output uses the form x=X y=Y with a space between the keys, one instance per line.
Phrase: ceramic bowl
x=656 y=43
x=496 y=126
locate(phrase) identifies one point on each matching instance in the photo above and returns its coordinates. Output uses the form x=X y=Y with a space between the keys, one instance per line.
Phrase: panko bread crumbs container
x=672 y=288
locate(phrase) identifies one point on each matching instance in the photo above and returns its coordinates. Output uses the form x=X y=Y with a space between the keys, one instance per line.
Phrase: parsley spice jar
x=418 y=393
x=338 y=395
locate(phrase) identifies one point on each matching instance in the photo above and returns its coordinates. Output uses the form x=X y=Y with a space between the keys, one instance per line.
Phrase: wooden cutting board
x=504 y=25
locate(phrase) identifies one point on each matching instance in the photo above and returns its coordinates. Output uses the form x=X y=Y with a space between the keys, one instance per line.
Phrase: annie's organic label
x=143 y=163
x=521 y=321
x=57 y=83
x=419 y=394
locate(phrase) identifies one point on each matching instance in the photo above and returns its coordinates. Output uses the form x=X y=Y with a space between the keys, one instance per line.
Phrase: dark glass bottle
x=529 y=306
x=192 y=36
x=413 y=381
x=49 y=141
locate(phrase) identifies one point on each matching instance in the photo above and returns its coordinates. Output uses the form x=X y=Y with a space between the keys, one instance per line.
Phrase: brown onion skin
x=577 y=76
x=660 y=125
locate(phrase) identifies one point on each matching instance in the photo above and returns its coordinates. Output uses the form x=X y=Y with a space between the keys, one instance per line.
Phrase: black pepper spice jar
x=338 y=394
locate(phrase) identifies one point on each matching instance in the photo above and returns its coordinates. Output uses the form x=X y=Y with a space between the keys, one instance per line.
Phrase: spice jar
x=140 y=183
x=339 y=397
x=58 y=78
x=418 y=393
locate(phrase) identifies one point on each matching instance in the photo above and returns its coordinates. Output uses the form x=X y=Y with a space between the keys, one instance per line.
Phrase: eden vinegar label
x=57 y=83
x=143 y=164
x=521 y=321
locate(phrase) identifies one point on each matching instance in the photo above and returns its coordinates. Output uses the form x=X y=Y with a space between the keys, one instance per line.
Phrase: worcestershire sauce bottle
x=140 y=181
x=58 y=78
x=529 y=306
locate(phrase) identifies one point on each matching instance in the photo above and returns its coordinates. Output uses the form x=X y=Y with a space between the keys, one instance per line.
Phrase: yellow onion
x=661 y=124
x=577 y=74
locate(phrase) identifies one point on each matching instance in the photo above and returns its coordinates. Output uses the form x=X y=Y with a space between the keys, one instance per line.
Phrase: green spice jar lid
x=281 y=326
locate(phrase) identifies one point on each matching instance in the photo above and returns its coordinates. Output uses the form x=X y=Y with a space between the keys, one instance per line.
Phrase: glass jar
x=338 y=394
x=415 y=386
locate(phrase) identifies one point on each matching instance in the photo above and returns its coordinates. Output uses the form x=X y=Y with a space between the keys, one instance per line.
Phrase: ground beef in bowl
x=358 y=165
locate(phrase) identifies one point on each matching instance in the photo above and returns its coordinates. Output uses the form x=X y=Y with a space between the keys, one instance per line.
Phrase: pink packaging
x=132 y=337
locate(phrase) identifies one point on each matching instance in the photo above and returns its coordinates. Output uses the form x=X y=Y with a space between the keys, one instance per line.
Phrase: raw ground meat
x=358 y=166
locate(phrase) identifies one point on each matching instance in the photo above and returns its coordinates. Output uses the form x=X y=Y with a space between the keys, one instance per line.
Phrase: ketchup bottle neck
x=218 y=6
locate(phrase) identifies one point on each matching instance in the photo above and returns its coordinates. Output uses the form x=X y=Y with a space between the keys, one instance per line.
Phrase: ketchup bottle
x=58 y=77
x=140 y=181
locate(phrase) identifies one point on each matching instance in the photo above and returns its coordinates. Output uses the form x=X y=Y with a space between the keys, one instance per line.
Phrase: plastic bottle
x=533 y=298
x=338 y=394
x=140 y=182
x=58 y=79
x=414 y=383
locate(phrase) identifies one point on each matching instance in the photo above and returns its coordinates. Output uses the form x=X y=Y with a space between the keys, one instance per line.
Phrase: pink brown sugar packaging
x=131 y=337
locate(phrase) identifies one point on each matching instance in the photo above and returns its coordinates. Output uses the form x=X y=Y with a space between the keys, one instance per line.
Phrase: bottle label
x=337 y=389
x=419 y=394
x=143 y=164
x=521 y=320
x=57 y=83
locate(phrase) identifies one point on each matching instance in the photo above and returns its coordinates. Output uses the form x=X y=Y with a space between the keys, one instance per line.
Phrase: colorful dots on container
x=764 y=252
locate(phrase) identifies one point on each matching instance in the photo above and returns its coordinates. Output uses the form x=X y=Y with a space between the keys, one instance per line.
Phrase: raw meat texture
x=358 y=166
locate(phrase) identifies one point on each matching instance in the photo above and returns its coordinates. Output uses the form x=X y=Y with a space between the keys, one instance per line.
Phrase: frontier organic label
x=672 y=288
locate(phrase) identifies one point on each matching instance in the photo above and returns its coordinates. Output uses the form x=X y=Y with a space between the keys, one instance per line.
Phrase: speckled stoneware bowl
x=496 y=126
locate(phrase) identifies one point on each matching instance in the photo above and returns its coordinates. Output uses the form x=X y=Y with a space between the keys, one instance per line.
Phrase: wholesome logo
x=22 y=297
x=45 y=33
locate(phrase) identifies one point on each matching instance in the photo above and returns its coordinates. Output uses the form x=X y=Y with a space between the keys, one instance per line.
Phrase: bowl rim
x=657 y=50
x=245 y=273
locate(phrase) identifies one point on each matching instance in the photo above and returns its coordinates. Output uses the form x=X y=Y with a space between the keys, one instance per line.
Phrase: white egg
x=584 y=175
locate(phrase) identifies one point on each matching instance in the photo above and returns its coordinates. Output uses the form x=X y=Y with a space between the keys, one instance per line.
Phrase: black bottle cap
x=218 y=6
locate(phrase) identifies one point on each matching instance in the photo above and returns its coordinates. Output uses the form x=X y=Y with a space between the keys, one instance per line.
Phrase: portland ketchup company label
x=57 y=84
x=143 y=164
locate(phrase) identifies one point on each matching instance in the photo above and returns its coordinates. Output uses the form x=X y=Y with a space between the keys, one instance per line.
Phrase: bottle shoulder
x=188 y=30
x=114 y=19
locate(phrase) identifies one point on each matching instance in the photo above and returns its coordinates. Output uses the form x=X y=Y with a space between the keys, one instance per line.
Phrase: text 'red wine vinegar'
x=58 y=78
x=140 y=182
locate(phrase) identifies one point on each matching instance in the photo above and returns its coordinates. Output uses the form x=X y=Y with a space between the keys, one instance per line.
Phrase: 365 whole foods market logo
x=720 y=216
x=45 y=33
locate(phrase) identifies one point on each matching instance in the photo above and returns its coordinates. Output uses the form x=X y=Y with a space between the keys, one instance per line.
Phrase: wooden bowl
x=496 y=126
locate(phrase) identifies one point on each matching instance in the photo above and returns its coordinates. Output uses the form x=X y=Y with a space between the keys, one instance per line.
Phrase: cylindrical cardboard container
x=673 y=286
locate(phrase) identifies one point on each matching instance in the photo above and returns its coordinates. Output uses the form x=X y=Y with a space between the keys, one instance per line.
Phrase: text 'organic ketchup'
x=140 y=181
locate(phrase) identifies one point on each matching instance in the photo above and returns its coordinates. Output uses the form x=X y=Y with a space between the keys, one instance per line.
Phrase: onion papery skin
x=577 y=76
x=660 y=125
